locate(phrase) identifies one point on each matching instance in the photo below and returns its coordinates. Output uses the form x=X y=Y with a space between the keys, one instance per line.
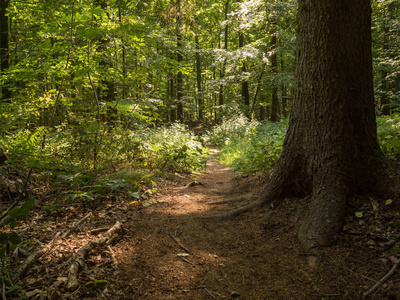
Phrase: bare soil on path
x=173 y=254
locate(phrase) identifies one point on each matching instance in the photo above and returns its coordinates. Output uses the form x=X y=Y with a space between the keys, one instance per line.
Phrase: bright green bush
x=93 y=146
x=389 y=135
x=248 y=146
x=174 y=148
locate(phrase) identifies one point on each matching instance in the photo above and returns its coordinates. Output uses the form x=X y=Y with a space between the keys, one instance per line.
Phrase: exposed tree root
x=322 y=222
x=236 y=199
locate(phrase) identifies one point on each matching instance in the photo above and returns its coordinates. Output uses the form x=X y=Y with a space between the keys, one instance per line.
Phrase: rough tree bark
x=331 y=149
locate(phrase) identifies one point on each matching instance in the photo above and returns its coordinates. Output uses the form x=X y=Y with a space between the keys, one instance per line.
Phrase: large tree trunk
x=331 y=149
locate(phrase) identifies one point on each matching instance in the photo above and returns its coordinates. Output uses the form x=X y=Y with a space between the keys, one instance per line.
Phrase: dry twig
x=383 y=279
x=212 y=296
x=75 y=225
x=178 y=242
x=34 y=256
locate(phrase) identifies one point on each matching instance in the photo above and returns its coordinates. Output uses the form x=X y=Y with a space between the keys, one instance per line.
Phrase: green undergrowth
x=91 y=160
x=250 y=146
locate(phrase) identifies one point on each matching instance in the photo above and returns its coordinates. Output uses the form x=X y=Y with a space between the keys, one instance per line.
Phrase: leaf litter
x=253 y=256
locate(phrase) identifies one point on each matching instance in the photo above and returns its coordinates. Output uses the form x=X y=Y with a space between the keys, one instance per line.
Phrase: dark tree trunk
x=284 y=94
x=179 y=77
x=198 y=75
x=179 y=84
x=4 y=48
x=274 y=66
x=245 y=83
x=331 y=149
x=222 y=71
x=109 y=93
x=124 y=70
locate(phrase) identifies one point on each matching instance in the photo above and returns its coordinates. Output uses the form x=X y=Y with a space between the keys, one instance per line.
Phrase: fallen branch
x=112 y=253
x=98 y=230
x=34 y=256
x=383 y=280
x=178 y=242
x=75 y=225
x=79 y=262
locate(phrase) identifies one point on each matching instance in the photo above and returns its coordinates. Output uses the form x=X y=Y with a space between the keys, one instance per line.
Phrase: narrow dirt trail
x=254 y=256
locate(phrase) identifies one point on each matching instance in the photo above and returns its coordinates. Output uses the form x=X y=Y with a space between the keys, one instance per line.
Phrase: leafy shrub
x=232 y=130
x=248 y=146
x=175 y=148
x=389 y=135
x=81 y=148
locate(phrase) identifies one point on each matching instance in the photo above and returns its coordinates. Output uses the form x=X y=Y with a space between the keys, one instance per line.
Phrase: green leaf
x=396 y=224
x=3 y=238
x=2 y=251
x=14 y=238
x=359 y=214
x=28 y=204
x=13 y=290
x=389 y=201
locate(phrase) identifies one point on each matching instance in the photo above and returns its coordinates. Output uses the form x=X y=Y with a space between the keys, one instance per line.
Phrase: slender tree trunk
x=331 y=149
x=274 y=66
x=172 y=97
x=245 y=83
x=284 y=94
x=4 y=49
x=179 y=78
x=222 y=71
x=198 y=75
x=257 y=90
x=109 y=94
x=124 y=71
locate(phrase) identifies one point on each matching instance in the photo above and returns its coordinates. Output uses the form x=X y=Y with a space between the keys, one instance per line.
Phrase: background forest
x=105 y=97
x=84 y=83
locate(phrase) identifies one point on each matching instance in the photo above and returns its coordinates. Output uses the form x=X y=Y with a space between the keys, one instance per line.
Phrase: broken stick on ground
x=79 y=261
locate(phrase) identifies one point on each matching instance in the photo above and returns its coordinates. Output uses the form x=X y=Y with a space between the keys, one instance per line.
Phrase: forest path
x=253 y=256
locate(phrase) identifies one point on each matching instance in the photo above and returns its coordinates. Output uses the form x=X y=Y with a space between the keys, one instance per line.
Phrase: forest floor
x=168 y=252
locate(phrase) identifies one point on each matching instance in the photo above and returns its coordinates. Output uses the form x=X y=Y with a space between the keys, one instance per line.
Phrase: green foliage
x=249 y=147
x=389 y=135
x=10 y=239
x=176 y=149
